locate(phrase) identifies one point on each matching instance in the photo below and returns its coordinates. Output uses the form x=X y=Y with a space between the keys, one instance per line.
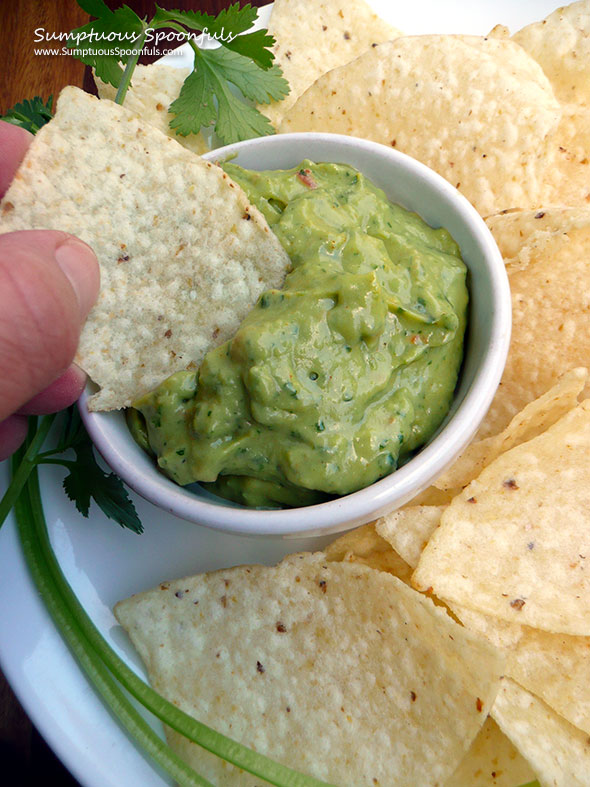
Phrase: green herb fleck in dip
x=334 y=380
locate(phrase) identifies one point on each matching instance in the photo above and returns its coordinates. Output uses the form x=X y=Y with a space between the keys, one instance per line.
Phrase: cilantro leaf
x=105 y=37
x=194 y=20
x=232 y=20
x=194 y=106
x=235 y=119
x=86 y=480
x=251 y=80
x=235 y=19
x=254 y=45
x=30 y=114
x=72 y=430
x=76 y=486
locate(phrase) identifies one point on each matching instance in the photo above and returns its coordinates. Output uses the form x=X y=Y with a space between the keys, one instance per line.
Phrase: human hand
x=49 y=281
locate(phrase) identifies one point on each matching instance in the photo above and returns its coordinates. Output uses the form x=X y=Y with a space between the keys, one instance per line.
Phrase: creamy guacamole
x=334 y=380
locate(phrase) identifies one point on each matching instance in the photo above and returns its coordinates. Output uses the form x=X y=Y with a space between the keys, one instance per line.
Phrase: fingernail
x=79 y=263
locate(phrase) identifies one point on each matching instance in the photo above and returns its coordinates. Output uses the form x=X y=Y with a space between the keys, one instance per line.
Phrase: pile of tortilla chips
x=503 y=537
x=501 y=542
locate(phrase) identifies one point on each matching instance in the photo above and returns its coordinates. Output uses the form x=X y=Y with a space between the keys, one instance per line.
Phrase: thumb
x=48 y=283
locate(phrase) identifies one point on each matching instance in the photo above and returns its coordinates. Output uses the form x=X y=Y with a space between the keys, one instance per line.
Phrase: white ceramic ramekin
x=416 y=187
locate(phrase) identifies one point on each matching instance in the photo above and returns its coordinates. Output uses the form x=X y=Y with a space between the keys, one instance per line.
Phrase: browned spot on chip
x=7 y=207
x=159 y=106
x=413 y=696
x=510 y=483
x=517 y=603
x=479 y=705
x=471 y=500
x=123 y=258
x=259 y=667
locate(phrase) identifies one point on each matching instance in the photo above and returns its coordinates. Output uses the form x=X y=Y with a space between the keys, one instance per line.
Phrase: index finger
x=14 y=142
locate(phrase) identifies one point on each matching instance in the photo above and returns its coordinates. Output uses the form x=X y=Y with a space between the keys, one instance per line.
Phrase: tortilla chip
x=555 y=668
x=363 y=545
x=479 y=111
x=534 y=419
x=183 y=254
x=152 y=90
x=558 y=752
x=408 y=530
x=550 y=284
x=314 y=36
x=499 y=31
x=492 y=761
x=561 y=44
x=334 y=668
x=518 y=230
x=503 y=635
x=567 y=177
x=514 y=543
x=431 y=496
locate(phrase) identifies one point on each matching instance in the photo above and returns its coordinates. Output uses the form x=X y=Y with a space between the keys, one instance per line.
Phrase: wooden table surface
x=25 y=759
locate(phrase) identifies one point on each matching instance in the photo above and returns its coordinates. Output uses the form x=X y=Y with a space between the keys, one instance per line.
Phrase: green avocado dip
x=333 y=381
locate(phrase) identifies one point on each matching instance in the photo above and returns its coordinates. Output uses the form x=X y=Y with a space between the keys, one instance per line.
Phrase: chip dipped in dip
x=334 y=380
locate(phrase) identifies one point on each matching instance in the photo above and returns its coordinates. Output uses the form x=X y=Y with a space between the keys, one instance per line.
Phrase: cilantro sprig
x=223 y=80
x=85 y=481
x=30 y=113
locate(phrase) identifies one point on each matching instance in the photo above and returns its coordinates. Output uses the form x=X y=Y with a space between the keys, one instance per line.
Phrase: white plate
x=104 y=563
